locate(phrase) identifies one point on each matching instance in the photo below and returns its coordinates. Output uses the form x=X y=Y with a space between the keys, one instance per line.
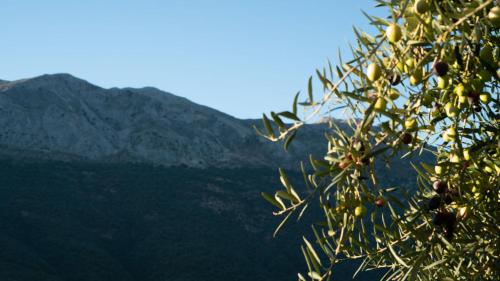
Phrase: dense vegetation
x=66 y=221
x=427 y=77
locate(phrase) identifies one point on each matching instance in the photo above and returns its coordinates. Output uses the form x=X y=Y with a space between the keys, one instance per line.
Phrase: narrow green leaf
x=393 y=252
x=271 y=199
x=312 y=251
x=289 y=115
x=268 y=126
x=289 y=140
x=295 y=99
x=310 y=89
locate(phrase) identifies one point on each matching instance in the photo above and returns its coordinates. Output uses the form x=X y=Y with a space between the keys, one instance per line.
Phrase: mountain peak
x=59 y=114
x=52 y=81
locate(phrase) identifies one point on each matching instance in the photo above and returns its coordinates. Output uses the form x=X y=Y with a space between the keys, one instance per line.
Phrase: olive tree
x=426 y=82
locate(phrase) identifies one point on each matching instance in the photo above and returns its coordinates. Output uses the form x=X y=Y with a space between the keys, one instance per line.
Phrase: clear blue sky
x=240 y=57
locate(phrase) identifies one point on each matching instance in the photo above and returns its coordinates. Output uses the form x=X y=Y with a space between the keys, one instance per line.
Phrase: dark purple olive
x=395 y=79
x=444 y=218
x=440 y=68
x=473 y=98
x=448 y=199
x=434 y=202
x=439 y=186
x=365 y=160
x=448 y=232
x=439 y=218
x=406 y=138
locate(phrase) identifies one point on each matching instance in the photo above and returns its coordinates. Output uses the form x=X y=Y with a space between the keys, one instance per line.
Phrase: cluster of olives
x=443 y=217
x=449 y=79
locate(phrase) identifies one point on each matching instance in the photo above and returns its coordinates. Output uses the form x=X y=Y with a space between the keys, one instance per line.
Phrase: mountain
x=141 y=185
x=62 y=117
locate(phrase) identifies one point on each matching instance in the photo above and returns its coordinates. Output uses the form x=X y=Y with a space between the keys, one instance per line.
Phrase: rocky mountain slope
x=63 y=117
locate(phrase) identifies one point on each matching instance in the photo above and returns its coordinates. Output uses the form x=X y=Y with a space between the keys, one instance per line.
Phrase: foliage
x=427 y=81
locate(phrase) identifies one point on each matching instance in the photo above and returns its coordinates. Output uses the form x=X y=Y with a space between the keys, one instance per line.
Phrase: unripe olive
x=409 y=65
x=454 y=158
x=360 y=211
x=494 y=16
x=450 y=110
x=488 y=169
x=393 y=33
x=416 y=77
x=400 y=66
x=393 y=94
x=446 y=137
x=442 y=83
x=462 y=101
x=380 y=104
x=440 y=68
x=466 y=154
x=412 y=23
x=452 y=132
x=410 y=124
x=463 y=213
x=421 y=6
x=459 y=90
x=438 y=170
x=373 y=72
x=484 y=97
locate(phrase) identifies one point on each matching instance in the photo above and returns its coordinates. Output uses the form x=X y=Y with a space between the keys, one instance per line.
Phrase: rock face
x=59 y=116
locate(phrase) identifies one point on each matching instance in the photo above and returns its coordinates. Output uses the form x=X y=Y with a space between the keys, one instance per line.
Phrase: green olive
x=462 y=101
x=466 y=154
x=411 y=23
x=452 y=132
x=393 y=33
x=409 y=65
x=484 y=97
x=459 y=90
x=450 y=110
x=410 y=124
x=421 y=6
x=494 y=16
x=360 y=211
x=416 y=77
x=442 y=82
x=380 y=104
x=394 y=94
x=446 y=137
x=373 y=72
x=400 y=66
x=454 y=158
x=438 y=170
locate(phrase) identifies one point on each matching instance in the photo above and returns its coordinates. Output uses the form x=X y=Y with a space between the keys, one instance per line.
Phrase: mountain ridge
x=60 y=114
